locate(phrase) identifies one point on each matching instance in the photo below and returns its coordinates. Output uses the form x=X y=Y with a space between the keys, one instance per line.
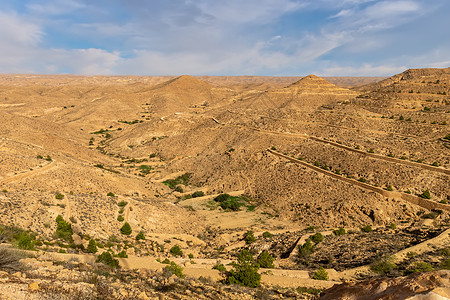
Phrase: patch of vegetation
x=140 y=236
x=339 y=231
x=317 y=238
x=220 y=267
x=92 y=246
x=245 y=271
x=126 y=229
x=230 y=202
x=107 y=259
x=425 y=195
x=122 y=203
x=384 y=266
x=59 y=196
x=420 y=267
x=305 y=250
x=176 y=251
x=198 y=194
x=26 y=241
x=389 y=188
x=265 y=260
x=308 y=290
x=145 y=170
x=173 y=268
x=63 y=229
x=267 y=235
x=120 y=218
x=183 y=179
x=320 y=274
x=111 y=194
x=122 y=254
x=367 y=228
x=249 y=237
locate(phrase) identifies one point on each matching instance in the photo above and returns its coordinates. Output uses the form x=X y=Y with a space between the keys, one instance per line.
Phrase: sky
x=223 y=37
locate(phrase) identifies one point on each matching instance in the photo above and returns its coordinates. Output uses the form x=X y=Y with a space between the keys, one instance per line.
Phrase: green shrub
x=265 y=260
x=320 y=274
x=317 y=238
x=230 y=202
x=59 y=196
x=63 y=229
x=191 y=256
x=245 y=271
x=120 y=218
x=48 y=158
x=384 y=266
x=107 y=259
x=445 y=264
x=339 y=231
x=420 y=267
x=92 y=246
x=267 y=235
x=220 y=267
x=183 y=179
x=25 y=241
x=126 y=229
x=426 y=195
x=39 y=156
x=110 y=194
x=176 y=251
x=389 y=188
x=140 y=236
x=178 y=189
x=305 y=250
x=198 y=194
x=435 y=164
x=145 y=169
x=367 y=228
x=249 y=237
x=392 y=226
x=122 y=254
x=174 y=269
x=122 y=203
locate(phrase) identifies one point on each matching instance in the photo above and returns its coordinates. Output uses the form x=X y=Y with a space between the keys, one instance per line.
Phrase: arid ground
x=343 y=176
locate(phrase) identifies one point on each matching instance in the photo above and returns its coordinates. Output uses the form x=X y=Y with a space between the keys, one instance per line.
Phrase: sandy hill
x=181 y=93
x=309 y=92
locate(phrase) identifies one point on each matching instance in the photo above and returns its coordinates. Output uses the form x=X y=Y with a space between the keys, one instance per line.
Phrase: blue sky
x=228 y=37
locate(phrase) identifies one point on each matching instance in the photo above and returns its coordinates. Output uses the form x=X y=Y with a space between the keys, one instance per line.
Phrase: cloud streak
x=262 y=37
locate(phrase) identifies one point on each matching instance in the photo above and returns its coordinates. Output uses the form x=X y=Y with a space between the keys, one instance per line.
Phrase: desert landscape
x=225 y=187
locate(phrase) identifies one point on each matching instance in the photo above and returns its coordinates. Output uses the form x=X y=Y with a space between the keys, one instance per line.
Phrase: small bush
x=265 y=260
x=445 y=264
x=25 y=241
x=393 y=226
x=320 y=274
x=126 y=229
x=367 y=228
x=249 y=237
x=267 y=235
x=176 y=251
x=174 y=269
x=305 y=250
x=110 y=194
x=63 y=229
x=389 y=188
x=426 y=195
x=198 y=194
x=435 y=164
x=92 y=246
x=120 y=218
x=183 y=179
x=220 y=267
x=122 y=254
x=245 y=271
x=384 y=266
x=420 y=267
x=191 y=256
x=339 y=231
x=122 y=203
x=317 y=238
x=107 y=259
x=140 y=236
x=178 y=189
x=59 y=196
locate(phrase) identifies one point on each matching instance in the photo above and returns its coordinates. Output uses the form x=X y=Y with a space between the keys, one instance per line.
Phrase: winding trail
x=427 y=204
x=52 y=165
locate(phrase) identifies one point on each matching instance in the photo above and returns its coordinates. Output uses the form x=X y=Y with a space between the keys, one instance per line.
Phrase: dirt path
x=427 y=204
x=52 y=165
x=385 y=158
